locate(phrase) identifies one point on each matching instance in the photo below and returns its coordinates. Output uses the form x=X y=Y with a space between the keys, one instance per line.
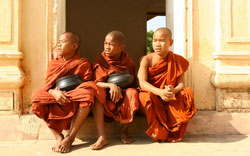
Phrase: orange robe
x=167 y=121
x=122 y=111
x=45 y=106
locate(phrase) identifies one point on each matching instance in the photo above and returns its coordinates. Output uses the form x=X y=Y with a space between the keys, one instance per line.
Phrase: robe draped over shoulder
x=122 y=111
x=44 y=104
x=167 y=121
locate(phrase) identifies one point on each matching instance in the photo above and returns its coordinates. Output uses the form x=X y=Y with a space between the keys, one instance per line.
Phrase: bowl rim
x=68 y=76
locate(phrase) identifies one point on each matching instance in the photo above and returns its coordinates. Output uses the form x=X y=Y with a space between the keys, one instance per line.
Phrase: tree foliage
x=149 y=41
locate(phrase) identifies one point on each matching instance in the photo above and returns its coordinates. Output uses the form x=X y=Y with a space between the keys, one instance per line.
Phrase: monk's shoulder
x=180 y=59
x=147 y=57
x=178 y=56
x=99 y=59
x=151 y=59
x=100 y=62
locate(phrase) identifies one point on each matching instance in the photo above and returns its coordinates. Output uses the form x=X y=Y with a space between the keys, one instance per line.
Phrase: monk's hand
x=61 y=96
x=115 y=92
x=167 y=93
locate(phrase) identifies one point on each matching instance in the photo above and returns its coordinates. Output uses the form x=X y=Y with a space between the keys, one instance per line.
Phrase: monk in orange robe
x=57 y=107
x=163 y=99
x=120 y=104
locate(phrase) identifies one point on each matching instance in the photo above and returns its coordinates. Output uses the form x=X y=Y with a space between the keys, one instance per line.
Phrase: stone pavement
x=222 y=145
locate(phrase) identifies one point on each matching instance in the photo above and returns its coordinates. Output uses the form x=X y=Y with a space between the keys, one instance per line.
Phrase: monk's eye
x=154 y=40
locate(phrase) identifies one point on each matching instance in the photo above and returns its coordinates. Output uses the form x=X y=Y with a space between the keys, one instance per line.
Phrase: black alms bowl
x=122 y=79
x=68 y=82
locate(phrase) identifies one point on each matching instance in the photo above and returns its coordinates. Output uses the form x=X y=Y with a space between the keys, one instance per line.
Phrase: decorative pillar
x=232 y=56
x=11 y=75
x=56 y=22
x=179 y=20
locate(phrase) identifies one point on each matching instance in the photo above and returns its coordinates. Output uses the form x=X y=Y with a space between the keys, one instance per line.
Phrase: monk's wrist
x=176 y=90
x=51 y=91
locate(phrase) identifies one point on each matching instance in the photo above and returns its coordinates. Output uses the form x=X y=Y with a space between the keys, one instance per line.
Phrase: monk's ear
x=75 y=45
x=171 y=42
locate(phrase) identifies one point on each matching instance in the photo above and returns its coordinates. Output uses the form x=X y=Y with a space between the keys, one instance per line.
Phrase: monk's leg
x=42 y=111
x=98 y=112
x=80 y=116
x=124 y=134
x=59 y=138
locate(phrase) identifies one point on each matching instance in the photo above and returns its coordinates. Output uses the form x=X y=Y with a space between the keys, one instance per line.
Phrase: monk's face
x=161 y=43
x=65 y=47
x=112 y=48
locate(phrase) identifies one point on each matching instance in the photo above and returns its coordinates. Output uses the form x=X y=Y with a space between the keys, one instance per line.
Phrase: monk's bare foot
x=59 y=140
x=125 y=139
x=65 y=145
x=124 y=134
x=101 y=142
x=174 y=141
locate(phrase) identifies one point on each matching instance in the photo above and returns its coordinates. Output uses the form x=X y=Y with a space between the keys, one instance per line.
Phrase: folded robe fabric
x=122 y=111
x=167 y=121
x=44 y=104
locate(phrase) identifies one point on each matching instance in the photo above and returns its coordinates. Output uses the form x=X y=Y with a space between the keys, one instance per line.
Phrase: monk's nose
x=107 y=47
x=59 y=45
x=158 y=43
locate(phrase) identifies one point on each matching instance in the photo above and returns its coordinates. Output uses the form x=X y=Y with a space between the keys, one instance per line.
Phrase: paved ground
x=229 y=145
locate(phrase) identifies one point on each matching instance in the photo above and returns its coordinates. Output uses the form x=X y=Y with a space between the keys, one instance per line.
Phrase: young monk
x=57 y=107
x=120 y=104
x=164 y=100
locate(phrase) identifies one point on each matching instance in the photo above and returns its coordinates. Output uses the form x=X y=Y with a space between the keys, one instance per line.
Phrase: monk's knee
x=84 y=109
x=41 y=111
x=96 y=105
x=132 y=92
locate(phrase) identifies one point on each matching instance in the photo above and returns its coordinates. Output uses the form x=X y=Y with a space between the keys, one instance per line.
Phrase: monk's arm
x=104 y=84
x=143 y=77
x=179 y=86
x=61 y=96
x=115 y=91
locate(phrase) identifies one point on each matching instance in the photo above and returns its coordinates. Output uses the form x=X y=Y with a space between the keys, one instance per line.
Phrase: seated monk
x=57 y=107
x=163 y=99
x=120 y=104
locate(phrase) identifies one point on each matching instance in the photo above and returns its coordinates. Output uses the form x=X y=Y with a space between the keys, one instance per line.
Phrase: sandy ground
x=228 y=145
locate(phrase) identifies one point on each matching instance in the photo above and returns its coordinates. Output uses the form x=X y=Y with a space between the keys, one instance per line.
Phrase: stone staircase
x=30 y=127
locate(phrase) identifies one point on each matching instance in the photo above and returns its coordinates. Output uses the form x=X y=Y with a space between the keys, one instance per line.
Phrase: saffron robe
x=44 y=105
x=122 y=111
x=167 y=121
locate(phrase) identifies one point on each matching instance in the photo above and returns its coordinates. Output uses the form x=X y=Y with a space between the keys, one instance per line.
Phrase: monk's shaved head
x=74 y=38
x=118 y=36
x=166 y=32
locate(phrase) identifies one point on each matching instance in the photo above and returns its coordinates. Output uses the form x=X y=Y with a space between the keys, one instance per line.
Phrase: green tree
x=149 y=41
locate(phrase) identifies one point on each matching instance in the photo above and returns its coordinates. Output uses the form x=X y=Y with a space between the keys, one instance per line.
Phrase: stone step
x=29 y=127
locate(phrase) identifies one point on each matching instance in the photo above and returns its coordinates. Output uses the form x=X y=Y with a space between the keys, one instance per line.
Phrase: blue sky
x=157 y=22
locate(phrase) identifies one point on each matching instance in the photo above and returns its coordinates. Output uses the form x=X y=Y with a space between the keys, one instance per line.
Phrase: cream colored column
x=175 y=20
x=232 y=56
x=179 y=20
x=56 y=22
x=11 y=75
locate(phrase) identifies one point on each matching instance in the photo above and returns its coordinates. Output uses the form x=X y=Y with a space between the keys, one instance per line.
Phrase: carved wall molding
x=5 y=20
x=232 y=55
x=237 y=12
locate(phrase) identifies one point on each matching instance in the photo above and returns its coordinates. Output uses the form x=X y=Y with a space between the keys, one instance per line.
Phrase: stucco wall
x=204 y=35
x=33 y=46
